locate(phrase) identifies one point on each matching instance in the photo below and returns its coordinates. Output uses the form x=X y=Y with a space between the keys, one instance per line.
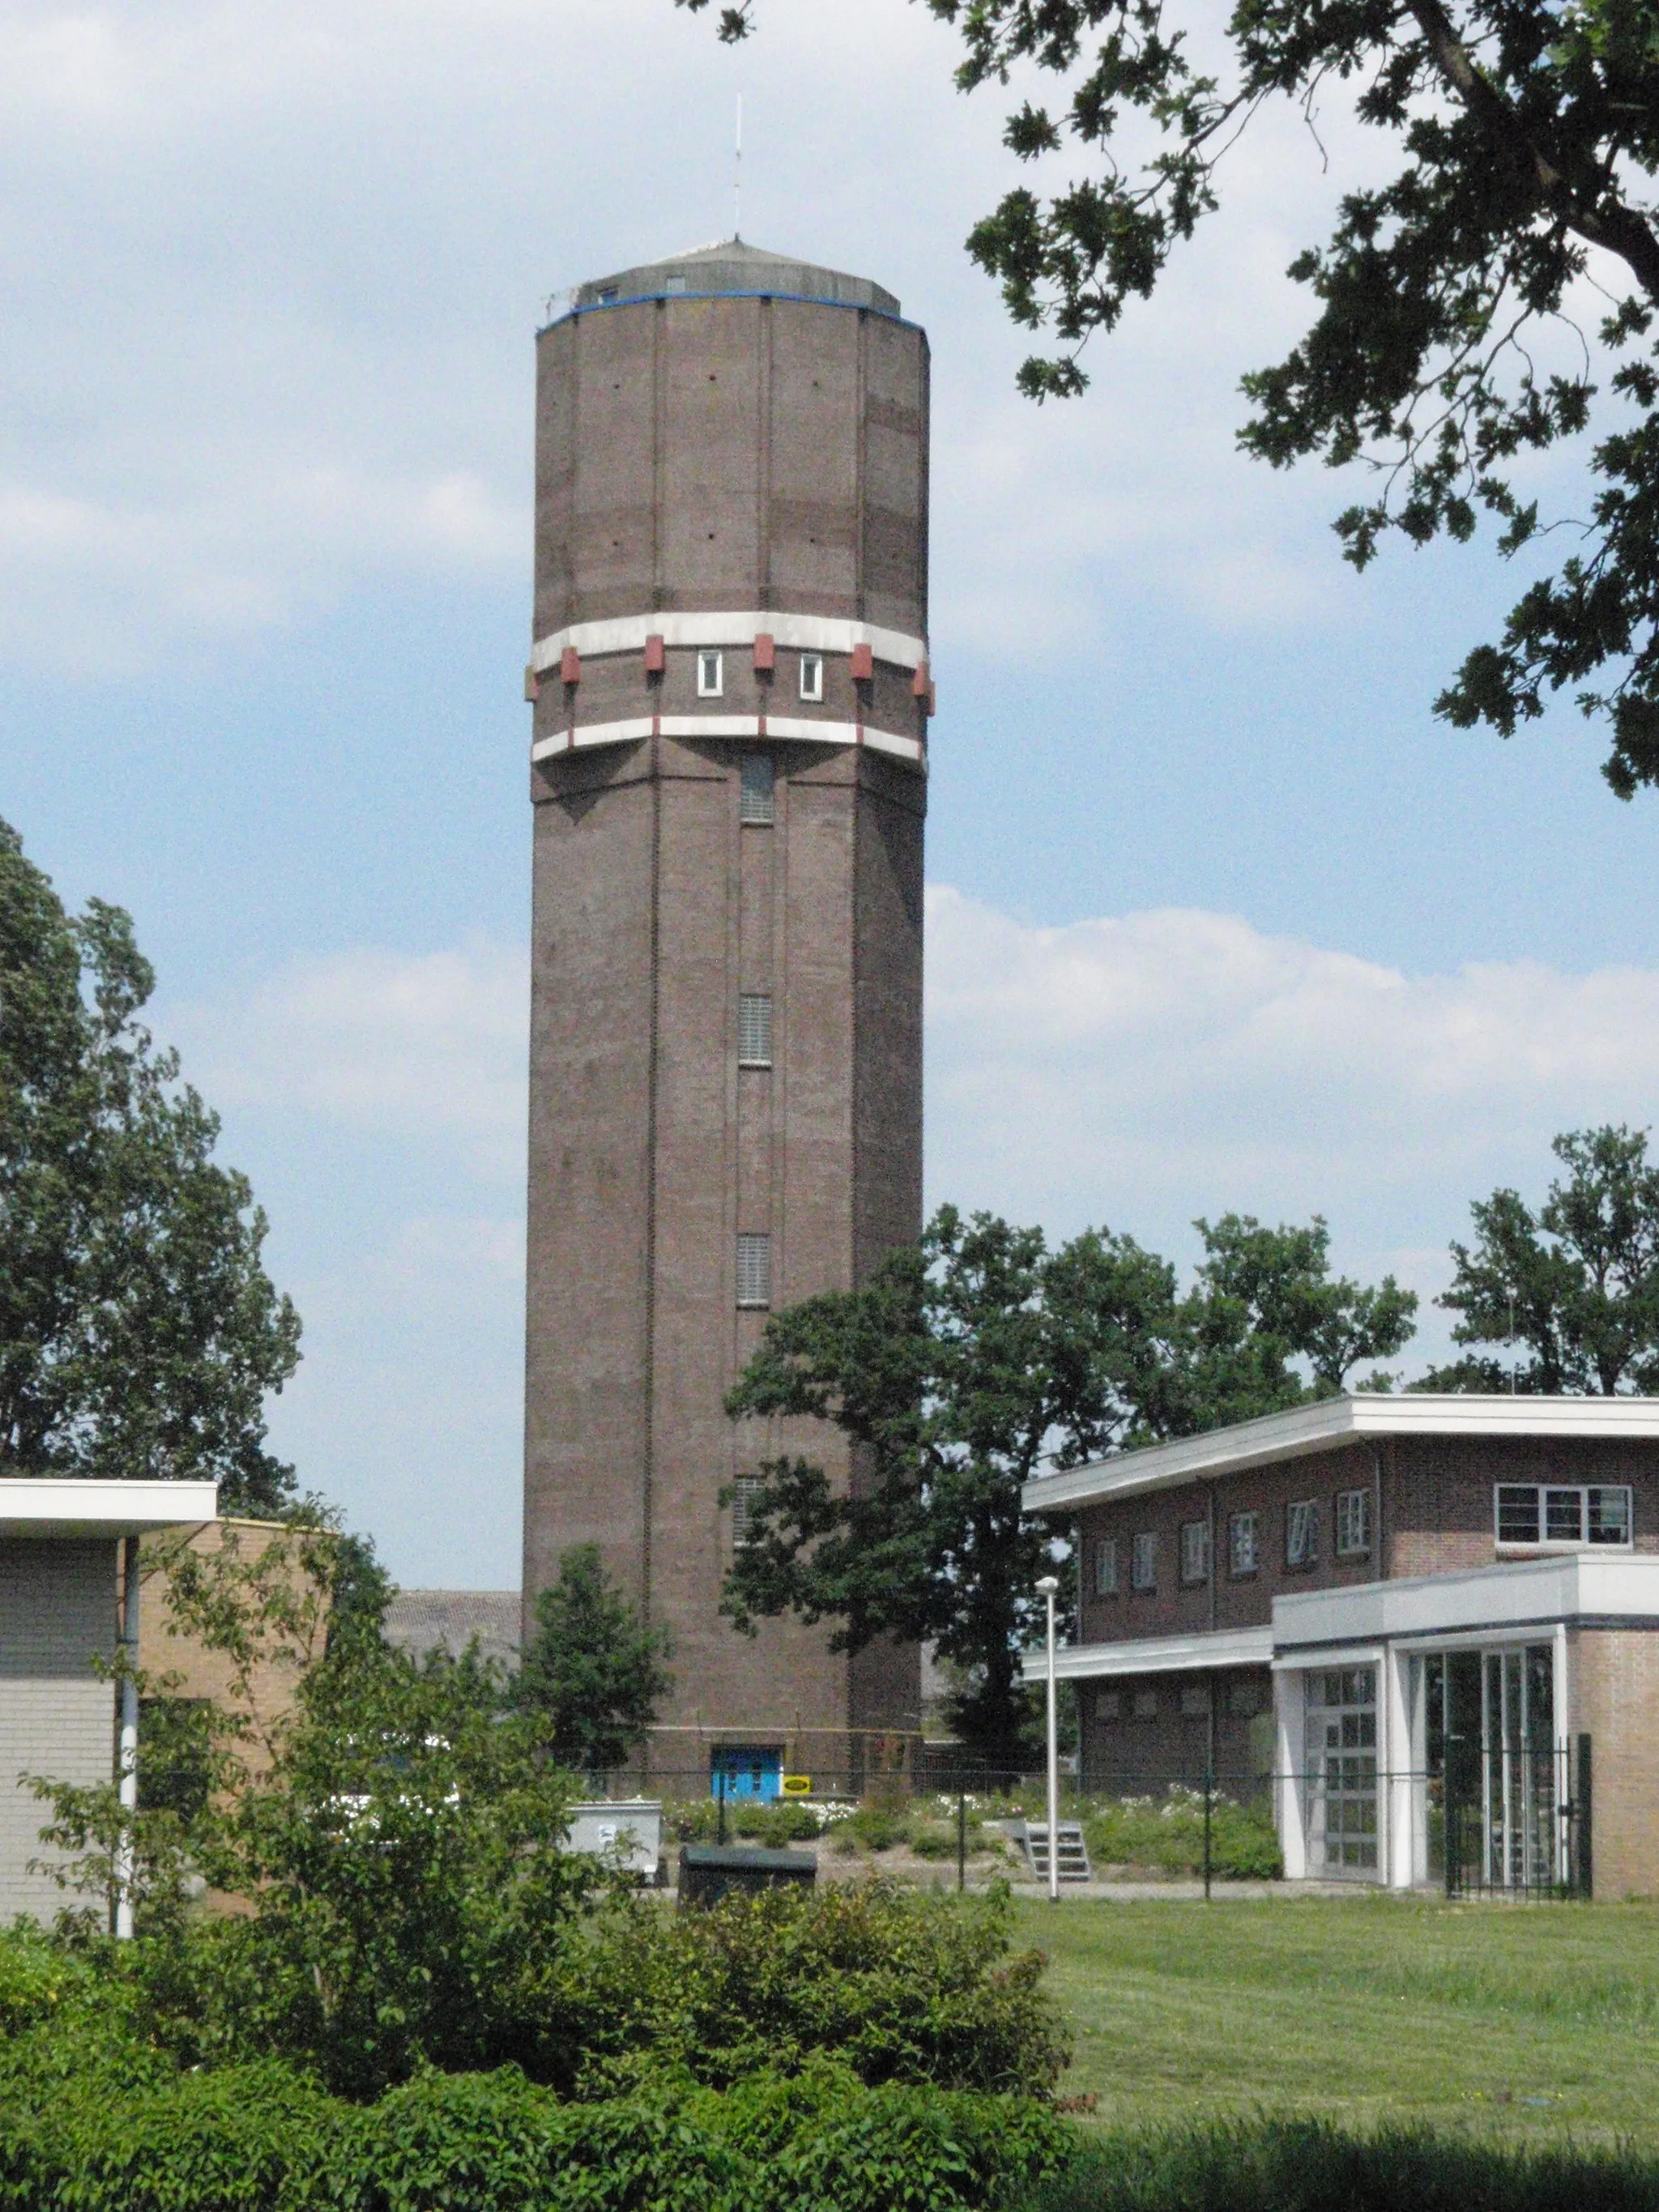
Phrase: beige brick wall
x=56 y=1718
x=1613 y=1674
x=164 y=1653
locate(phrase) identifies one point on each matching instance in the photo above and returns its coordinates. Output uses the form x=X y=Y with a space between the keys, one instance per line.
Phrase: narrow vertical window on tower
x=755 y=1272
x=812 y=676
x=756 y=798
x=754 y=1030
x=746 y=1493
x=711 y=675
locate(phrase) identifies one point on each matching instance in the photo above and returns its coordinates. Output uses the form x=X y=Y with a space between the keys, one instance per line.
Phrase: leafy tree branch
x=1528 y=133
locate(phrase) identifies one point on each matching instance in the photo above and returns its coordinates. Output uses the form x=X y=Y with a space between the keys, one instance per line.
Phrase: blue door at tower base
x=743 y=1770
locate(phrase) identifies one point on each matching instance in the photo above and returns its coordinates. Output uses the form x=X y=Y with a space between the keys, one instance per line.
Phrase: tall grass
x=1309 y=2166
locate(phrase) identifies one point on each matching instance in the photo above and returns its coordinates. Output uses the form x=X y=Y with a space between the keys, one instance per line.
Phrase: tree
x=970 y=1364
x=592 y=1675
x=393 y=1830
x=139 y=1333
x=1574 y=1287
x=1528 y=134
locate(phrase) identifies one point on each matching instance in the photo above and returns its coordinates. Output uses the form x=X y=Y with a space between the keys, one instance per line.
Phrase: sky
x=1220 y=917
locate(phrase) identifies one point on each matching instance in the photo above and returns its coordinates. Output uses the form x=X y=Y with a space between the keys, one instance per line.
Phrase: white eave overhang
x=1578 y=1590
x=46 y=1505
x=1330 y=1424
x=1153 y=1655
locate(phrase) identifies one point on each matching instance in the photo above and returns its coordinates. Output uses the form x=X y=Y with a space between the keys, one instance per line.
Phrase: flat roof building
x=64 y=1597
x=1429 y=1625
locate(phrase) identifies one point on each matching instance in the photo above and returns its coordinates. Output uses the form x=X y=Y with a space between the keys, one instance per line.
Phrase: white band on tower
x=801 y=633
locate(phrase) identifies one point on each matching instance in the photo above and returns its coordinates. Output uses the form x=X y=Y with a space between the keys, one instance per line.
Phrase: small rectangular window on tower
x=812 y=676
x=756 y=798
x=711 y=676
x=755 y=1272
x=754 y=1030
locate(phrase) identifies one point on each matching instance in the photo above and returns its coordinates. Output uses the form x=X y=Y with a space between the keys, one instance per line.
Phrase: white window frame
x=1143 y=1561
x=754 y=1271
x=1146 y=1704
x=711 y=673
x=1106 y=1566
x=757 y=793
x=1302 y=1531
x=1550 y=1501
x=1194 y=1553
x=1243 y=1543
x=811 y=678
x=754 y=1029
x=1353 y=1523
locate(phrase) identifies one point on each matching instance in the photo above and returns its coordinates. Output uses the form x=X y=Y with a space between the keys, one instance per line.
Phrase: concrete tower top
x=732 y=267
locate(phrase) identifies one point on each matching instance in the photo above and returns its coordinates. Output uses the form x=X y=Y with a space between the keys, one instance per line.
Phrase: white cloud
x=1138 y=1070
x=408 y=1403
x=424 y=1048
x=1144 y=1069
x=274 y=272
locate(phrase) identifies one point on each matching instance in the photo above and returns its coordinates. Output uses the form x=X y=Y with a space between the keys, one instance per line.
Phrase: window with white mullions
x=1301 y=1533
x=1143 y=1562
x=1544 y=1514
x=1106 y=1567
x=754 y=1030
x=1195 y=1552
x=1353 y=1523
x=711 y=675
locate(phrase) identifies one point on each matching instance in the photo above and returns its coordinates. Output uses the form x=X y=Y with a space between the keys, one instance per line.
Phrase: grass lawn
x=1522 y=2021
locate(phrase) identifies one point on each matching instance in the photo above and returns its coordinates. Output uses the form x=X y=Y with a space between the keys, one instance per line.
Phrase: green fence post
x=1585 y=1869
x=962 y=1839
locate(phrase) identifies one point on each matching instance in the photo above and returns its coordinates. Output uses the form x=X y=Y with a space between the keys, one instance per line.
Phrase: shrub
x=876 y=1825
x=900 y=1985
x=1168 y=1833
x=786 y=1820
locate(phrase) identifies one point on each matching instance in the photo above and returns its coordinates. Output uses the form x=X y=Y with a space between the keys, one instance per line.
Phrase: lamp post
x=1049 y=1588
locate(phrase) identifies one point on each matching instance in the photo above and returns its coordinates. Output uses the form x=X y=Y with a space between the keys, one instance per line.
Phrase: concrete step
x=1072 y=1853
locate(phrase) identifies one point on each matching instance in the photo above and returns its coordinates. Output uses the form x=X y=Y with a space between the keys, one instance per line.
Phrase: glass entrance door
x=1518 y=1735
x=1494 y=1799
x=1341 y=1746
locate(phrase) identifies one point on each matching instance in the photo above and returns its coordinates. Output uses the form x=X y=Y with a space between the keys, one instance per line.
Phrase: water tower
x=731 y=693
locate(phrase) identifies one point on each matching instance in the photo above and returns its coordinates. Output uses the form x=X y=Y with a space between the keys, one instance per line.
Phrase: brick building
x=731 y=692
x=1429 y=1625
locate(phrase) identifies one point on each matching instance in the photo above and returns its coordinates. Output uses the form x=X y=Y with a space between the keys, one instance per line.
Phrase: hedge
x=263 y=2139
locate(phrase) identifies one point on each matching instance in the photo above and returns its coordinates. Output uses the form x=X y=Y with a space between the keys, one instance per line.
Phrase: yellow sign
x=796 y=1785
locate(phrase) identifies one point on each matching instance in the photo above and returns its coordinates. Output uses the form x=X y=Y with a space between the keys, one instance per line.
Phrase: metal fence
x=1513 y=1822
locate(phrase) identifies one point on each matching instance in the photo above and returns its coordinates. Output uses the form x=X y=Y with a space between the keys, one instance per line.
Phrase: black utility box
x=709 y=1872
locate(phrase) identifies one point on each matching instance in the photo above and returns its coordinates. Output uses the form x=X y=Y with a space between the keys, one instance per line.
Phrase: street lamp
x=1048 y=1588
